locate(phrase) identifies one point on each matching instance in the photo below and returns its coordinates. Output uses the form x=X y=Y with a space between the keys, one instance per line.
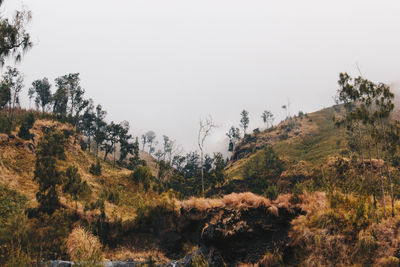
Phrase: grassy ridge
x=314 y=139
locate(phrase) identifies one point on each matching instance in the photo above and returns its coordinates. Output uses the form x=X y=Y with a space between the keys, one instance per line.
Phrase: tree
x=205 y=129
x=99 y=127
x=219 y=166
x=178 y=162
x=166 y=145
x=142 y=174
x=87 y=122
x=14 y=39
x=126 y=146
x=112 y=133
x=159 y=154
x=31 y=94
x=170 y=147
x=50 y=149
x=76 y=92
x=150 y=137
x=95 y=169
x=135 y=160
x=5 y=95
x=244 y=121
x=263 y=169
x=60 y=97
x=368 y=107
x=234 y=136
x=267 y=118
x=70 y=91
x=74 y=186
x=43 y=93
x=144 y=141
x=13 y=80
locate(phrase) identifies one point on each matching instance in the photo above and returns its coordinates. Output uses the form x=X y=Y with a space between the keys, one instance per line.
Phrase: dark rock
x=225 y=235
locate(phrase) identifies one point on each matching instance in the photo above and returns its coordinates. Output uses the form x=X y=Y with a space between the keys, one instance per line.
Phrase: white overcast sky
x=164 y=64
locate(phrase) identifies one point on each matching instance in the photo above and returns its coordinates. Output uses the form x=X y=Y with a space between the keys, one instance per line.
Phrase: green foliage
x=244 y=121
x=262 y=170
x=14 y=40
x=142 y=175
x=5 y=95
x=27 y=124
x=271 y=192
x=111 y=195
x=234 y=136
x=11 y=203
x=95 y=169
x=5 y=125
x=283 y=136
x=74 y=186
x=18 y=257
x=43 y=93
x=297 y=191
x=46 y=174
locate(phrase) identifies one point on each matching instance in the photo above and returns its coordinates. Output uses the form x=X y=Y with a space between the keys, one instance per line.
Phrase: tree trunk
x=202 y=172
x=114 y=154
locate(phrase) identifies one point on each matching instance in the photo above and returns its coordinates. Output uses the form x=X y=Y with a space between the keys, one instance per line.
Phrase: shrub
x=95 y=169
x=271 y=192
x=18 y=258
x=26 y=125
x=142 y=174
x=111 y=196
x=82 y=246
x=297 y=191
x=74 y=186
x=5 y=125
x=283 y=136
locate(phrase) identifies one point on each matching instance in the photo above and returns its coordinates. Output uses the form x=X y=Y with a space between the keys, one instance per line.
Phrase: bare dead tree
x=205 y=129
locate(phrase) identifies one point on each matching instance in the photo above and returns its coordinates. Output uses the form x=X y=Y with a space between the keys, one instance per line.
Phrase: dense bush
x=263 y=170
x=5 y=125
x=95 y=169
x=143 y=175
x=26 y=125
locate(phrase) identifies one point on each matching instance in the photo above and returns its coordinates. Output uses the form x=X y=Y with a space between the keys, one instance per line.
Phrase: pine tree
x=47 y=174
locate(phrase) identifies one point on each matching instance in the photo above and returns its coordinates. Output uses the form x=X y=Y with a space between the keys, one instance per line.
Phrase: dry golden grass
x=17 y=166
x=82 y=246
x=337 y=235
x=237 y=200
x=138 y=255
x=312 y=202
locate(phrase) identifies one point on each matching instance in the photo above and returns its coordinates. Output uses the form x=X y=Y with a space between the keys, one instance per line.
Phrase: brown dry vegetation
x=341 y=230
x=82 y=246
x=17 y=161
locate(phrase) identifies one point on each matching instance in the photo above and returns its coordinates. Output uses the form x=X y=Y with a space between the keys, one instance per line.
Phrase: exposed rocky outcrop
x=238 y=228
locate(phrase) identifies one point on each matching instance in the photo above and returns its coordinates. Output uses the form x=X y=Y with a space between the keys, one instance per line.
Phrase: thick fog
x=164 y=64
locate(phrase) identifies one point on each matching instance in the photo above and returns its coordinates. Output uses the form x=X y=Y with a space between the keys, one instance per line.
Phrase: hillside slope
x=17 y=163
x=304 y=143
x=310 y=139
